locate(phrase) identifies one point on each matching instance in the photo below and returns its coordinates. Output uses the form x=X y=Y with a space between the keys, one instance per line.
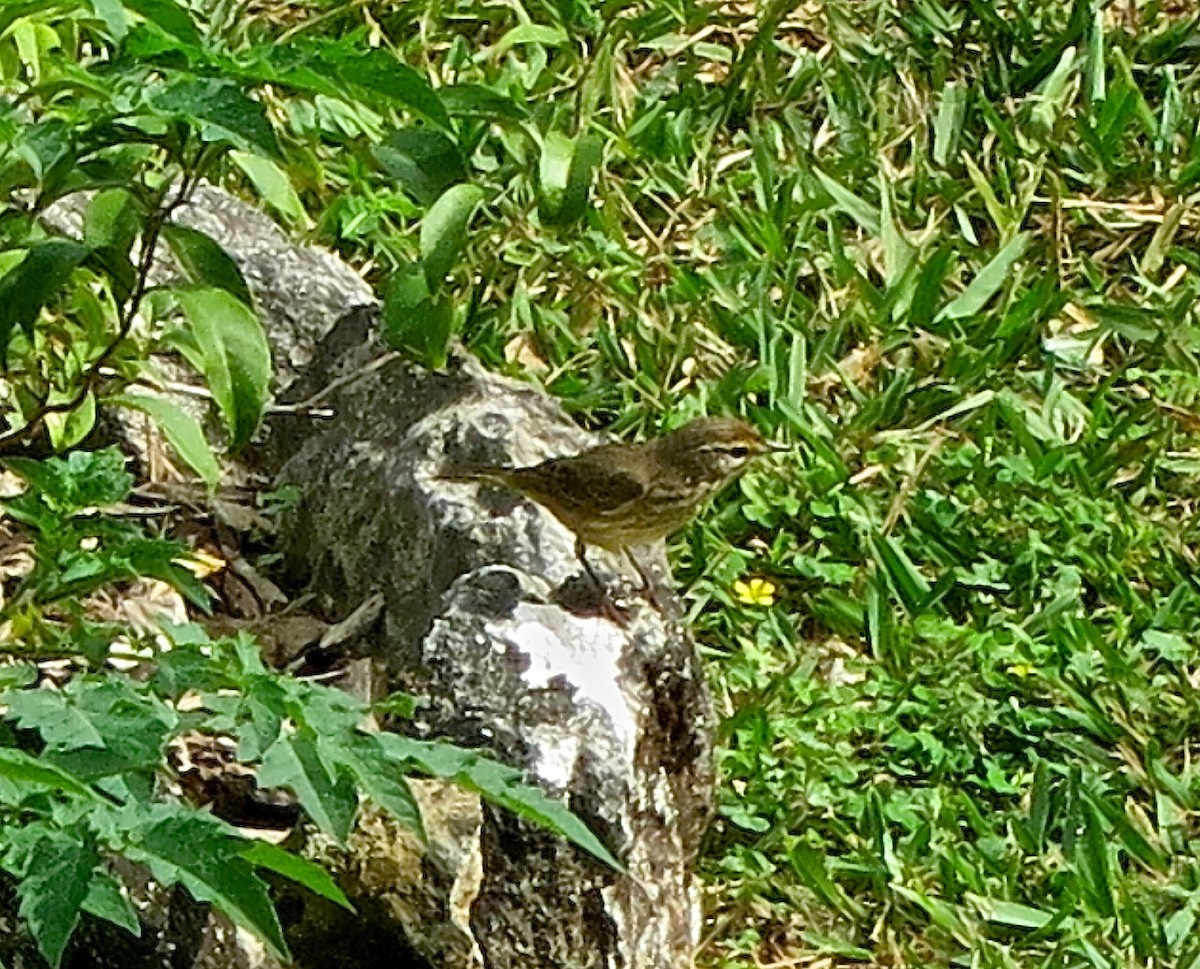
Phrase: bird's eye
x=739 y=452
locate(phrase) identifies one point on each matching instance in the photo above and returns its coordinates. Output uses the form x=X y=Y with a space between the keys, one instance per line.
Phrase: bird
x=621 y=495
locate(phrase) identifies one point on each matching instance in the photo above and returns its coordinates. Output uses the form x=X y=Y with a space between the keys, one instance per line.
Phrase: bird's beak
x=776 y=447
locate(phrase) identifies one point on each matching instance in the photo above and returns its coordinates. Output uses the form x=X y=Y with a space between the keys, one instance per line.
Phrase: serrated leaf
x=59 y=722
x=293 y=762
x=498 y=783
x=505 y=786
x=237 y=358
x=205 y=262
x=380 y=780
x=24 y=770
x=184 y=846
x=263 y=854
x=33 y=282
x=182 y=432
x=52 y=890
x=105 y=726
x=105 y=900
x=987 y=282
x=79 y=481
x=444 y=231
x=16 y=675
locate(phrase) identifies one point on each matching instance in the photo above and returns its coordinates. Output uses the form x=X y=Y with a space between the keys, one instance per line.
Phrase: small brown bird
x=618 y=496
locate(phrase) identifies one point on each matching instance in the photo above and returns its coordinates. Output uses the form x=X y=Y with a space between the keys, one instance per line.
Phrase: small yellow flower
x=1022 y=669
x=756 y=592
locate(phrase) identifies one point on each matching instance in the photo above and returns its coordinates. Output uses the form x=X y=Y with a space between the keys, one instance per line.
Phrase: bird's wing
x=600 y=486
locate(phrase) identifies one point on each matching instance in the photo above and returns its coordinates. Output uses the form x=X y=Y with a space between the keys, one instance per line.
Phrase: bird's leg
x=605 y=605
x=650 y=585
x=581 y=554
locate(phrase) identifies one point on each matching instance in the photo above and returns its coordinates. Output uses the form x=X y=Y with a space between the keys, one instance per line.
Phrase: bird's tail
x=473 y=471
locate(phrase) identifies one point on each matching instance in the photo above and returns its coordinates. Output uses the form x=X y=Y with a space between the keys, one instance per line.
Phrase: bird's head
x=717 y=448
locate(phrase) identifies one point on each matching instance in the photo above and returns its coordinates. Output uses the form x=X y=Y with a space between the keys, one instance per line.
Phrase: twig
x=308 y=405
x=911 y=482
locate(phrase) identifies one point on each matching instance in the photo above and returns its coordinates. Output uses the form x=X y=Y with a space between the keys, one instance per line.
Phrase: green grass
x=950 y=250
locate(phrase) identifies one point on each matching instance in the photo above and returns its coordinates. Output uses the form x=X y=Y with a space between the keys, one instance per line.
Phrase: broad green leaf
x=478 y=101
x=33 y=282
x=413 y=320
x=205 y=262
x=181 y=430
x=237 y=359
x=52 y=891
x=273 y=185
x=220 y=111
x=566 y=170
x=111 y=223
x=444 y=231
x=112 y=12
x=68 y=428
x=531 y=34
x=380 y=72
x=263 y=854
x=170 y=16
x=423 y=160
x=987 y=282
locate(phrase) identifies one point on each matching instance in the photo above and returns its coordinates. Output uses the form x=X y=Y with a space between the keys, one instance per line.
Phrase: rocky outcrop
x=484 y=613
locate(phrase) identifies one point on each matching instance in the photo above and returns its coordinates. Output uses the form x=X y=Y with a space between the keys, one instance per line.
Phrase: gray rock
x=482 y=616
x=612 y=717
